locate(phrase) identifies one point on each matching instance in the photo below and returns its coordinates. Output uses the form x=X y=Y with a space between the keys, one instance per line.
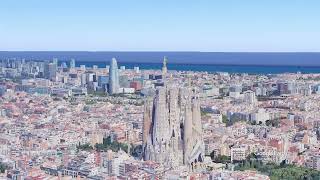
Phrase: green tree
x=3 y=167
x=222 y=159
x=276 y=172
x=111 y=145
x=224 y=119
x=84 y=147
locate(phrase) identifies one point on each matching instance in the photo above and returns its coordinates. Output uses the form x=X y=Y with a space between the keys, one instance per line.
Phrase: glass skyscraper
x=114 y=77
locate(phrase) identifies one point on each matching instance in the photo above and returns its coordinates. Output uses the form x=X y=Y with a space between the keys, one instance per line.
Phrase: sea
x=232 y=62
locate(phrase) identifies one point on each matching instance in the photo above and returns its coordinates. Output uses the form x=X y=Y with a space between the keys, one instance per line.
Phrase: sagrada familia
x=172 y=130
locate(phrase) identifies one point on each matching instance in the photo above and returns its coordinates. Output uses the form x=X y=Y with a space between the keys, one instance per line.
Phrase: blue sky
x=166 y=25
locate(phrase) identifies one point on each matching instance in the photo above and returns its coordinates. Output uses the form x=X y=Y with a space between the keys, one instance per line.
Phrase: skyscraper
x=107 y=68
x=114 y=77
x=55 y=61
x=72 y=63
x=50 y=71
x=172 y=130
x=64 y=65
x=249 y=97
x=164 y=66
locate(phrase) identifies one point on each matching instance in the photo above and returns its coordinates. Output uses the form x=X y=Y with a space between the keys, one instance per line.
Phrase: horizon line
x=160 y=51
x=201 y=64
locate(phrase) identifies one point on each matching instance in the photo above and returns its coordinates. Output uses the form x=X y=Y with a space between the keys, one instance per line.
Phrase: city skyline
x=183 y=59
x=228 y=26
x=108 y=122
x=172 y=90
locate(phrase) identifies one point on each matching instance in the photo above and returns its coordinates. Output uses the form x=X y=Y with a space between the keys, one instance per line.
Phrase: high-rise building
x=83 y=67
x=164 y=66
x=83 y=79
x=55 y=61
x=114 y=86
x=172 y=130
x=249 y=97
x=103 y=81
x=107 y=68
x=50 y=71
x=64 y=65
x=89 y=77
x=72 y=63
x=136 y=69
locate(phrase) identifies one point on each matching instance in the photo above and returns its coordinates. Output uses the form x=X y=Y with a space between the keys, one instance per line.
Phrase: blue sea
x=233 y=62
x=250 y=69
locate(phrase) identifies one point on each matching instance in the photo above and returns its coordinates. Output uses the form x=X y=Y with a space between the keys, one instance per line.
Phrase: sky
x=166 y=25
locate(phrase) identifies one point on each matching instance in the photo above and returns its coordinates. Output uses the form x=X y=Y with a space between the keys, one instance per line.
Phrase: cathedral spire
x=147 y=119
x=175 y=136
x=187 y=133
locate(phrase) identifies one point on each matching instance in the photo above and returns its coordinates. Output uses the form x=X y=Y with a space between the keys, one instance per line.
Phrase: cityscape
x=60 y=121
x=160 y=90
